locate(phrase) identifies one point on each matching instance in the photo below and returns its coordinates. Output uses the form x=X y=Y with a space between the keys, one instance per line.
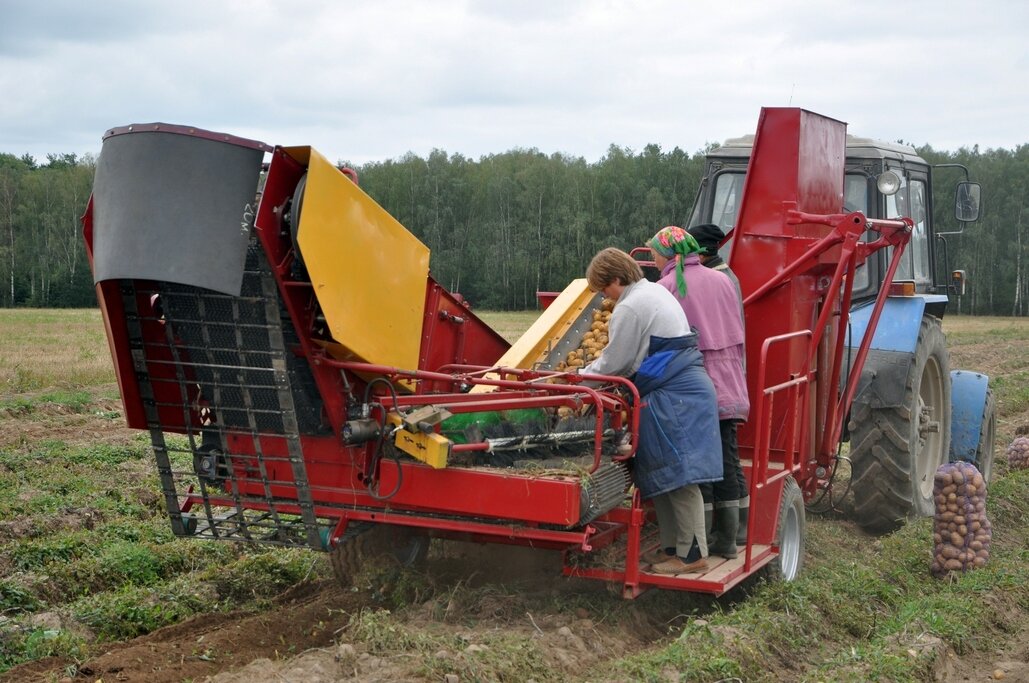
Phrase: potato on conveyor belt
x=593 y=341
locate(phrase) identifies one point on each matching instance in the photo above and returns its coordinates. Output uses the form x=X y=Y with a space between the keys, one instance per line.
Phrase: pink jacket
x=712 y=306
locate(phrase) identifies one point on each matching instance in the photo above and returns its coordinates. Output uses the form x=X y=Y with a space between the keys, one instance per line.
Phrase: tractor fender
x=968 y=400
x=882 y=382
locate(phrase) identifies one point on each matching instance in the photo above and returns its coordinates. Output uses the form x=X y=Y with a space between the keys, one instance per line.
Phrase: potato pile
x=593 y=341
x=1018 y=453
x=961 y=533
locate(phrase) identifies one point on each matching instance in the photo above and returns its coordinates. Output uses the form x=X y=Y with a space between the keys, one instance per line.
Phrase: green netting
x=463 y=427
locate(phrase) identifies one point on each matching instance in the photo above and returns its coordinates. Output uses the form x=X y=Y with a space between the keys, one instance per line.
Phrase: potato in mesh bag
x=961 y=531
x=1018 y=453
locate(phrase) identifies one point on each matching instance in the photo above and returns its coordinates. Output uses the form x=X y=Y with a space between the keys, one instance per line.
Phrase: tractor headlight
x=888 y=183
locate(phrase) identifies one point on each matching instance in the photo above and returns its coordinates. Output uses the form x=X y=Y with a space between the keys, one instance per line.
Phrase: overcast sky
x=372 y=80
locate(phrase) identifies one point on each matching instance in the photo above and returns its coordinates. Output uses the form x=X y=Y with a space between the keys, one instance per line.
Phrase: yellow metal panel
x=369 y=273
x=554 y=323
x=433 y=449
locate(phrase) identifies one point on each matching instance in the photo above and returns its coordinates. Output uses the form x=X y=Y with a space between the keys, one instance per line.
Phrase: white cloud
x=374 y=80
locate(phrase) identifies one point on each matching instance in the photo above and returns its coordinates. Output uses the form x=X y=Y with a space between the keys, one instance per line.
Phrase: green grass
x=27 y=645
x=859 y=615
x=509 y=324
x=131 y=610
x=1012 y=392
x=73 y=401
x=46 y=349
x=493 y=656
x=84 y=534
x=51 y=476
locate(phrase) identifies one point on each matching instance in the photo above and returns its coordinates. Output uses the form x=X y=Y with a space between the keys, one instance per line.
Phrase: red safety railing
x=791 y=439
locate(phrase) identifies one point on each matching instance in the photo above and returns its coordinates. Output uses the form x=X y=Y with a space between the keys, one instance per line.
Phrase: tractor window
x=728 y=192
x=896 y=207
x=855 y=193
x=919 y=246
x=855 y=198
x=910 y=201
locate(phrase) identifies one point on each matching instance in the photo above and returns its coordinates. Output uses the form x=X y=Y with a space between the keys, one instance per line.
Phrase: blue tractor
x=911 y=412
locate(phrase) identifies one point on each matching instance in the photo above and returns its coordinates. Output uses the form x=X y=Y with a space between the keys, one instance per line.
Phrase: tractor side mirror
x=967 y=202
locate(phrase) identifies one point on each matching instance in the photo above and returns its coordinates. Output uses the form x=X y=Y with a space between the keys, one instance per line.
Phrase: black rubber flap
x=174 y=208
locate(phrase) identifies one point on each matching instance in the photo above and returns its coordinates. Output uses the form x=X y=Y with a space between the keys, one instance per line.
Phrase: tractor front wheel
x=895 y=451
x=987 y=438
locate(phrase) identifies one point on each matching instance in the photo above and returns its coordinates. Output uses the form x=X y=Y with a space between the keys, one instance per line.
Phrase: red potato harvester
x=306 y=382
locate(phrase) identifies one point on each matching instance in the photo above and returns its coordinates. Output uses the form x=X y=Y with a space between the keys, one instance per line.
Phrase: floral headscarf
x=674 y=242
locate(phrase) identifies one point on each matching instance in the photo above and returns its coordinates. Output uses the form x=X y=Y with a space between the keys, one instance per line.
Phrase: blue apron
x=679 y=437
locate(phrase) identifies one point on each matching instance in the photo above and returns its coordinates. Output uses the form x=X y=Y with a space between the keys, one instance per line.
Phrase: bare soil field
x=94 y=587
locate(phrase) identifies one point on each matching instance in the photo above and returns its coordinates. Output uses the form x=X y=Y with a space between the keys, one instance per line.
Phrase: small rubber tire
x=790 y=534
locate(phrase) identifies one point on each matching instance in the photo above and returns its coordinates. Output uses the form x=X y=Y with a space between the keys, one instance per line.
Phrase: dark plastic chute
x=174 y=208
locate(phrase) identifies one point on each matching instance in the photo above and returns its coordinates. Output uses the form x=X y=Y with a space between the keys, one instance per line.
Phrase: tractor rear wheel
x=790 y=534
x=895 y=451
x=365 y=542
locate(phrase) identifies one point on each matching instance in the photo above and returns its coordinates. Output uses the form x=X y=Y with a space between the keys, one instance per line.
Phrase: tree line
x=506 y=225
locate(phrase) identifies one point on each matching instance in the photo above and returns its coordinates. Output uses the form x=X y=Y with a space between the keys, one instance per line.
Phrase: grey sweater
x=644 y=309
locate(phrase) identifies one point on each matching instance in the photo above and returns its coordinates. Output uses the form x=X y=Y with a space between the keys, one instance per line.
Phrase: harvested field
x=93 y=585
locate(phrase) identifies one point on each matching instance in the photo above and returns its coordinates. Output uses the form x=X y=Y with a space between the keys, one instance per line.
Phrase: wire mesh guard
x=215 y=370
x=227 y=401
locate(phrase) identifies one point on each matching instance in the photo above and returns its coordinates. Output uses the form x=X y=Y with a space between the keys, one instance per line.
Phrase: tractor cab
x=882 y=180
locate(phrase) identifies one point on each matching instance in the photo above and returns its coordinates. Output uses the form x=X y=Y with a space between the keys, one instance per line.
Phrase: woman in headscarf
x=711 y=303
x=649 y=341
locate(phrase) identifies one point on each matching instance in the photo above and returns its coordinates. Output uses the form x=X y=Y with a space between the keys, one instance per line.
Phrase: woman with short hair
x=650 y=342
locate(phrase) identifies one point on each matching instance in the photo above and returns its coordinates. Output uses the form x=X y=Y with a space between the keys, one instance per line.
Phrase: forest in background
x=506 y=225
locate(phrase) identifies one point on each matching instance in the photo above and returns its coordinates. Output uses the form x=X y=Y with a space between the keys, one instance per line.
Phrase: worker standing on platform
x=649 y=341
x=711 y=304
x=710 y=237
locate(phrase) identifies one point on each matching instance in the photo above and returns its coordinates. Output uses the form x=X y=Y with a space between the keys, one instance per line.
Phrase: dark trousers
x=733 y=483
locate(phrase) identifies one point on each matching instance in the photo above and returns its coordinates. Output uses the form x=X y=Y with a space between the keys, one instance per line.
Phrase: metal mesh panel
x=222 y=365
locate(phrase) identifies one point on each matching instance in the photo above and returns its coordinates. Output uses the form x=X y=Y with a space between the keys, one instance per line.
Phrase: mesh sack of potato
x=961 y=532
x=1018 y=453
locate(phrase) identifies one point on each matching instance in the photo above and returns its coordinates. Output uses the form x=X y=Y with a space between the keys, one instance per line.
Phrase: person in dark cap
x=711 y=305
x=709 y=237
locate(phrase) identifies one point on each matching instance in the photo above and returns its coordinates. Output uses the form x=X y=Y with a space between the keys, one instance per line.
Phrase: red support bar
x=873 y=322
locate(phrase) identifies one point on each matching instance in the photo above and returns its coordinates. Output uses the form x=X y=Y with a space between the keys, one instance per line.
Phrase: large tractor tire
x=790 y=535
x=896 y=451
x=365 y=542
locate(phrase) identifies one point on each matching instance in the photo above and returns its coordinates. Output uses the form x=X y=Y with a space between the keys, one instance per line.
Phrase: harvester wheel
x=987 y=438
x=790 y=535
x=896 y=451
x=376 y=542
